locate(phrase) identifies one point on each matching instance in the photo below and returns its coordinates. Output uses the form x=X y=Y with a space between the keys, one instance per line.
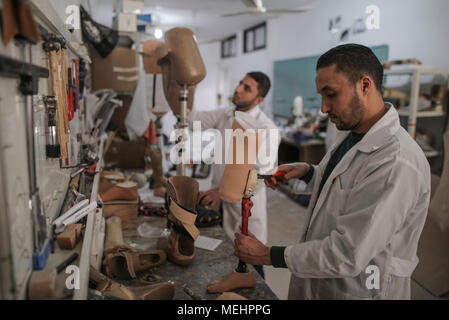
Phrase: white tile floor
x=285 y=220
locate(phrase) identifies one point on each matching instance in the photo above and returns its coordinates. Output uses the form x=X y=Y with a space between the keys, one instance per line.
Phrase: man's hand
x=250 y=250
x=293 y=171
x=209 y=198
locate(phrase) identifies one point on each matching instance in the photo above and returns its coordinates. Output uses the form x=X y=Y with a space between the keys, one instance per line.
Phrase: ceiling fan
x=256 y=7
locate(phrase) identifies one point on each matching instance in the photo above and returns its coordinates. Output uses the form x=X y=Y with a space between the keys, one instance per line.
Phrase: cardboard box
x=119 y=115
x=118 y=71
x=131 y=6
x=125 y=155
x=126 y=210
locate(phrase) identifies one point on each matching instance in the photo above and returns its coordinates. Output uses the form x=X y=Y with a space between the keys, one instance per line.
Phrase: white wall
x=411 y=28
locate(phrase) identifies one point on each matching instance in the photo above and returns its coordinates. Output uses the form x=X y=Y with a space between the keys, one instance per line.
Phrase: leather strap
x=186 y=217
x=130 y=263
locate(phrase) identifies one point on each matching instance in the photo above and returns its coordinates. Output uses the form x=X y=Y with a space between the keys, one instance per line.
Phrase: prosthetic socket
x=241 y=157
x=181 y=64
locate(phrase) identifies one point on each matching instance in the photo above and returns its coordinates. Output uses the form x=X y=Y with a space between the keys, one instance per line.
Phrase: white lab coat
x=222 y=119
x=370 y=212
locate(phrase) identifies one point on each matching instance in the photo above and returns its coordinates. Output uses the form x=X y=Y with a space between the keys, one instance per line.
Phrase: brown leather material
x=18 y=19
x=149 y=56
x=27 y=25
x=10 y=25
x=104 y=185
x=125 y=265
x=112 y=175
x=186 y=219
x=184 y=190
x=156 y=165
x=183 y=193
x=178 y=247
x=230 y=296
x=158 y=291
x=232 y=281
x=121 y=191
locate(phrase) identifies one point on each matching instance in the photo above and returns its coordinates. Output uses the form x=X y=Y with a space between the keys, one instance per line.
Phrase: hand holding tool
x=278 y=175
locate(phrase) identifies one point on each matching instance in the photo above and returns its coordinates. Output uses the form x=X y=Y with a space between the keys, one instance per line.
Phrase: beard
x=350 y=119
x=243 y=105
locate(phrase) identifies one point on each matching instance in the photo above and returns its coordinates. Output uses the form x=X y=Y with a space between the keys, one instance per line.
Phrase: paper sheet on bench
x=207 y=243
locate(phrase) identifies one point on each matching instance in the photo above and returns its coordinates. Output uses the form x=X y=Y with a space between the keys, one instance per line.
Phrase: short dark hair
x=355 y=61
x=263 y=82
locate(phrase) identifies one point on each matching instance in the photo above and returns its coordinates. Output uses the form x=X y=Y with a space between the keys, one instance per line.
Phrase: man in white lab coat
x=248 y=95
x=370 y=193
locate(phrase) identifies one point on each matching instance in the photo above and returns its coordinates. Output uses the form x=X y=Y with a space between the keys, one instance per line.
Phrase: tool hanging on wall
x=56 y=47
x=76 y=91
x=18 y=22
x=71 y=108
x=52 y=148
x=81 y=77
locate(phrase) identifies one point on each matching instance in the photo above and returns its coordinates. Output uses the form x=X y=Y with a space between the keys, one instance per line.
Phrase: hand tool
x=278 y=175
x=247 y=204
x=192 y=294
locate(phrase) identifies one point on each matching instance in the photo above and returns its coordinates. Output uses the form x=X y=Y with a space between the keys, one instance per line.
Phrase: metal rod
x=182 y=125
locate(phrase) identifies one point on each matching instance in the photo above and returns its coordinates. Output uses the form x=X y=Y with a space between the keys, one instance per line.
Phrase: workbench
x=206 y=267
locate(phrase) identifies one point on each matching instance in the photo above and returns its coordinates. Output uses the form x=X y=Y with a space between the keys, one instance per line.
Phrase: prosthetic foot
x=121 y=191
x=158 y=291
x=182 y=198
x=125 y=264
x=232 y=281
x=122 y=261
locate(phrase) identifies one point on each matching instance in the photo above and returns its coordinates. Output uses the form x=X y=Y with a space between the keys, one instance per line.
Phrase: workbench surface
x=206 y=267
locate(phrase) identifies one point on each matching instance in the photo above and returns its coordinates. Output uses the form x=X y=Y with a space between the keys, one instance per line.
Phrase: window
x=229 y=47
x=255 y=38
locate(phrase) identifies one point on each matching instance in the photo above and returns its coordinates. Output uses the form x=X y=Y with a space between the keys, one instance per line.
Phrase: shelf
x=418 y=70
x=422 y=114
x=84 y=264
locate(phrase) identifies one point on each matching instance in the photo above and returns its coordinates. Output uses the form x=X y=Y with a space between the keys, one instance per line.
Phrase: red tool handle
x=279 y=173
x=247 y=204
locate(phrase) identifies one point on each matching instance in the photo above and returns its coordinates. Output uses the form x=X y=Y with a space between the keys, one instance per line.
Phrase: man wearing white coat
x=248 y=95
x=370 y=193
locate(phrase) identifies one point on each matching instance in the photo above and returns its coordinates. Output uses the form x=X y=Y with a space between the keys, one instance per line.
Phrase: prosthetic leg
x=182 y=69
x=241 y=277
x=248 y=133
